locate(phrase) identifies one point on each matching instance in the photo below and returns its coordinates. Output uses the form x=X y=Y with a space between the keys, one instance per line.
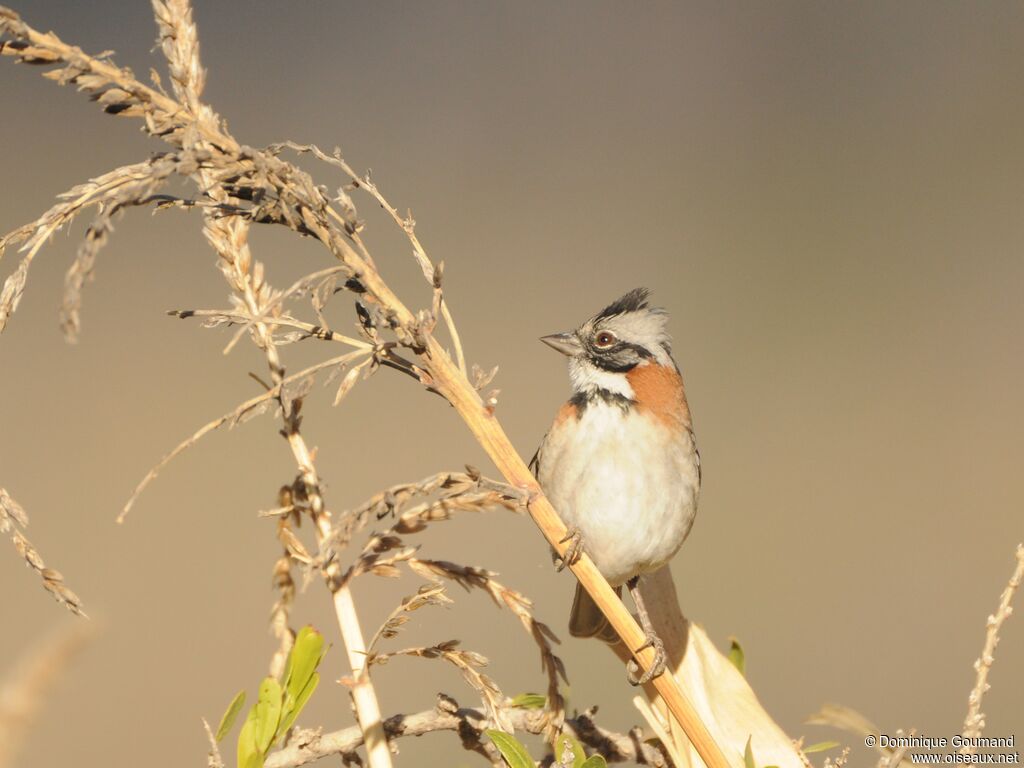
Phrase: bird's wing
x=534 y=464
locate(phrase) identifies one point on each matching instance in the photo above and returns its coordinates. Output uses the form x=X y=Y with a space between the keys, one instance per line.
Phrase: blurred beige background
x=827 y=196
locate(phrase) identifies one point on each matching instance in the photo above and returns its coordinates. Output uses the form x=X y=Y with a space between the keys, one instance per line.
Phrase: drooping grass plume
x=13 y=519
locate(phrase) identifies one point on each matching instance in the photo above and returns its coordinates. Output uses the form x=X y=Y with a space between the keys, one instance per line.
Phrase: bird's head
x=625 y=334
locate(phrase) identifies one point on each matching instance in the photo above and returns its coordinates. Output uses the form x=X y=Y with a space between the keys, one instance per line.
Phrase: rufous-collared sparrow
x=620 y=462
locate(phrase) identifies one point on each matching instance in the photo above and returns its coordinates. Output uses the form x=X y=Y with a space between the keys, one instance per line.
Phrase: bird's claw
x=572 y=552
x=657 y=668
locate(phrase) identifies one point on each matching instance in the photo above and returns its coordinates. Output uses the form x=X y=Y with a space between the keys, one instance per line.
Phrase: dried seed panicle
x=12 y=518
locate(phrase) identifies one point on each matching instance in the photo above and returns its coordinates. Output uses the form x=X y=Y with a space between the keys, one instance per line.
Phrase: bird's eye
x=604 y=339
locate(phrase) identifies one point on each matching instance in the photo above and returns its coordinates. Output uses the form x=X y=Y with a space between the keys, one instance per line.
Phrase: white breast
x=627 y=481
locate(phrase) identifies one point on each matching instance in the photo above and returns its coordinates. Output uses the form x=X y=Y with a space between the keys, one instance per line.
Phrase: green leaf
x=567 y=740
x=594 y=761
x=268 y=713
x=248 y=755
x=736 y=656
x=748 y=755
x=530 y=701
x=300 y=669
x=821 y=746
x=303 y=660
x=230 y=714
x=287 y=672
x=515 y=754
x=288 y=718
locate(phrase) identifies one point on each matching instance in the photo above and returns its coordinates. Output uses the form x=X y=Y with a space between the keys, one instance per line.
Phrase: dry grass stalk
x=469 y=724
x=469 y=664
x=24 y=692
x=428 y=594
x=126 y=186
x=467 y=577
x=975 y=720
x=457 y=492
x=520 y=606
x=13 y=518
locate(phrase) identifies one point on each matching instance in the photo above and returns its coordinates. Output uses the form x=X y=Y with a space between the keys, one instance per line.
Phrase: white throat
x=587 y=377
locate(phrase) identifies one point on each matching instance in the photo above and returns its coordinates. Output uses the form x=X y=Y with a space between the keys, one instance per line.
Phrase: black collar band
x=590 y=397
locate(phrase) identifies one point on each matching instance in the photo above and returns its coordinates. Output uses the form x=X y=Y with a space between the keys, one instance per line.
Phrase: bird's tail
x=586 y=619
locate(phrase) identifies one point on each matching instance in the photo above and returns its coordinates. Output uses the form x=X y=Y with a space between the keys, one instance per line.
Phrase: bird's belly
x=628 y=483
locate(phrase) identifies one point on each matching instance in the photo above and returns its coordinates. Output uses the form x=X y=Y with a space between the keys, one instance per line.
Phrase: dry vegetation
x=238 y=186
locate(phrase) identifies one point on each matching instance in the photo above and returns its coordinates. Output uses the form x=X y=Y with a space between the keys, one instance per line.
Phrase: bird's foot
x=657 y=668
x=572 y=552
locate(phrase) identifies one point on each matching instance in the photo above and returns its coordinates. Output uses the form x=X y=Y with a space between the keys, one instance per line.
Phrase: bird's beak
x=566 y=343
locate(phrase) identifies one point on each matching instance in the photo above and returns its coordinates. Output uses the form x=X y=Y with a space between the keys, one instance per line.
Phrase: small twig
x=251 y=407
x=217 y=316
x=214 y=760
x=975 y=720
